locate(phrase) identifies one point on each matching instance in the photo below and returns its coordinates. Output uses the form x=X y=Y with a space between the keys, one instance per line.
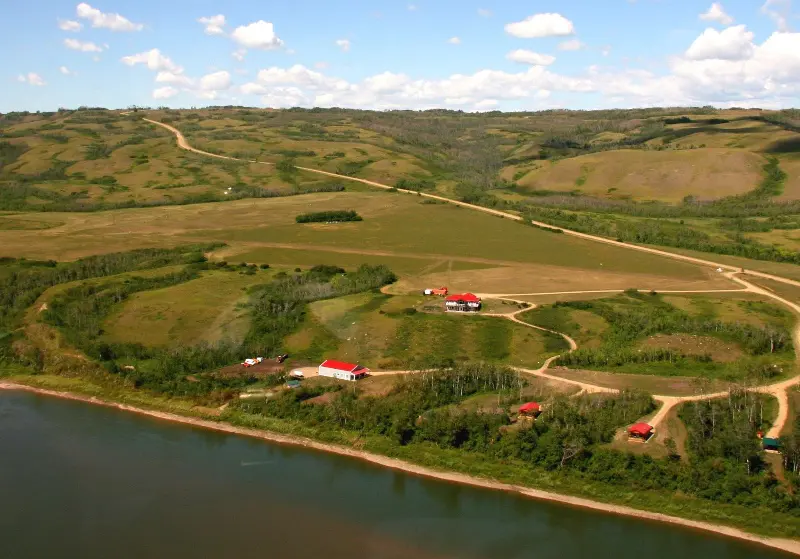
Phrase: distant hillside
x=718 y=181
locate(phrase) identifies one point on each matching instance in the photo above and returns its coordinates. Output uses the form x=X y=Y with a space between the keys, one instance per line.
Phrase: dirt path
x=779 y=390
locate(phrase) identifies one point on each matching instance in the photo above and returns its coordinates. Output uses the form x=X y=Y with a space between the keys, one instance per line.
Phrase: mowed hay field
x=651 y=175
x=210 y=308
x=512 y=255
x=389 y=332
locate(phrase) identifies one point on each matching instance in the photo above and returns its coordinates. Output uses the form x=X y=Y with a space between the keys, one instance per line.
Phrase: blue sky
x=471 y=55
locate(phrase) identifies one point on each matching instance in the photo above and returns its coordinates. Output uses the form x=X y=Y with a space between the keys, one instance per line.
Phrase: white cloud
x=114 y=22
x=733 y=43
x=717 y=13
x=218 y=81
x=412 y=7
x=299 y=85
x=572 y=44
x=343 y=44
x=165 y=92
x=31 y=78
x=486 y=104
x=66 y=71
x=530 y=57
x=778 y=10
x=541 y=25
x=154 y=60
x=69 y=25
x=214 y=24
x=239 y=54
x=454 y=41
x=483 y=12
x=83 y=46
x=606 y=50
x=170 y=77
x=257 y=35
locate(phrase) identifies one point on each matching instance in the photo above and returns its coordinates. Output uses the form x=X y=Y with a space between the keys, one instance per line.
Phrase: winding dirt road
x=778 y=390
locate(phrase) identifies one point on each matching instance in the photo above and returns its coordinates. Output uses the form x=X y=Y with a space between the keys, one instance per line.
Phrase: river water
x=83 y=481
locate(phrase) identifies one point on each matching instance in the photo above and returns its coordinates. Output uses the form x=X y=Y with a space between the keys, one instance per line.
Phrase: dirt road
x=779 y=390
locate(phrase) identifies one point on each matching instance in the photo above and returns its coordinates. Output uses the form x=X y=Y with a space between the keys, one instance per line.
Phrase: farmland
x=155 y=270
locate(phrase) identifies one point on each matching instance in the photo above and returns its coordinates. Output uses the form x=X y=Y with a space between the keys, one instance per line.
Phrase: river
x=78 y=480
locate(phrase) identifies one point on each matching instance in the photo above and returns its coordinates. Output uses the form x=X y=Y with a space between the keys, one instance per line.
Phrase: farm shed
x=463 y=302
x=771 y=444
x=342 y=370
x=641 y=431
x=531 y=409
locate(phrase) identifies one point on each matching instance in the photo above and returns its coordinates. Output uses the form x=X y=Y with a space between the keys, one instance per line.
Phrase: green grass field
x=206 y=309
x=389 y=332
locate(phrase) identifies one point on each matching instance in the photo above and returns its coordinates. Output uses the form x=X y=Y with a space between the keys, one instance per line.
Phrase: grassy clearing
x=205 y=309
x=387 y=332
x=651 y=175
x=711 y=352
x=667 y=386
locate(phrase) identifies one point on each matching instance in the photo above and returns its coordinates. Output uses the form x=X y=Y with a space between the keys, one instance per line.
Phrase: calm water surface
x=78 y=480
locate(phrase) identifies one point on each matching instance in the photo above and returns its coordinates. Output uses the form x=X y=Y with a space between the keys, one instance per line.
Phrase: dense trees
x=328 y=216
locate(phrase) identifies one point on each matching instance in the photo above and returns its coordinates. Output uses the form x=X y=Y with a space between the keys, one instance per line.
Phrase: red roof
x=339 y=365
x=529 y=407
x=642 y=429
x=466 y=297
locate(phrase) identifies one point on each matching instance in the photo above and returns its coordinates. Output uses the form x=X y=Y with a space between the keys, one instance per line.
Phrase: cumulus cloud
x=572 y=44
x=454 y=41
x=716 y=13
x=83 y=46
x=218 y=81
x=114 y=22
x=31 y=78
x=165 y=92
x=69 y=25
x=173 y=78
x=541 y=25
x=257 y=35
x=300 y=85
x=214 y=24
x=733 y=43
x=66 y=71
x=778 y=10
x=239 y=54
x=343 y=44
x=530 y=57
x=154 y=60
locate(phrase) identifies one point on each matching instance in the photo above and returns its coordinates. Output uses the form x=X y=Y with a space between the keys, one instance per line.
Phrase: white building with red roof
x=341 y=370
x=463 y=302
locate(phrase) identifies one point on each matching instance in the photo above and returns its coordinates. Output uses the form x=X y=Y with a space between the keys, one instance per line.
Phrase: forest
x=331 y=216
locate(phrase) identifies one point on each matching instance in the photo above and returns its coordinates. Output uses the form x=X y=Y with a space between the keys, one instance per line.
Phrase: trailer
x=441 y=292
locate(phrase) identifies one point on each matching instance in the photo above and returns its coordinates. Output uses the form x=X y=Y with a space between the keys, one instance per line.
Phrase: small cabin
x=530 y=410
x=342 y=370
x=771 y=444
x=640 y=432
x=463 y=302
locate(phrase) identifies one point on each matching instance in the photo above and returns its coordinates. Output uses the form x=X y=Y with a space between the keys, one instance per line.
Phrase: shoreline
x=789 y=545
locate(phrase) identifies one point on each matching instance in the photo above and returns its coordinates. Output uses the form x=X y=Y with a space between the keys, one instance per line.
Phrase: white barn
x=342 y=370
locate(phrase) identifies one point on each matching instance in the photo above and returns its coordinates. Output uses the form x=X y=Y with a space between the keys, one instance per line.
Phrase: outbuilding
x=771 y=444
x=530 y=409
x=341 y=370
x=640 y=431
x=463 y=302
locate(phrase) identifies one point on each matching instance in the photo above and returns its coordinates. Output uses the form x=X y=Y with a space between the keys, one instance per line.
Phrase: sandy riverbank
x=792 y=546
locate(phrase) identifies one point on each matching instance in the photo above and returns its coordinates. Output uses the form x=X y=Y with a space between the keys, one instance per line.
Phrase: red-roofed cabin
x=641 y=431
x=530 y=409
x=463 y=302
x=342 y=370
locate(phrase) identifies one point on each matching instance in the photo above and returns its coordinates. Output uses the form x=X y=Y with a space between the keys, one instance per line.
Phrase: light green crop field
x=209 y=308
x=512 y=257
